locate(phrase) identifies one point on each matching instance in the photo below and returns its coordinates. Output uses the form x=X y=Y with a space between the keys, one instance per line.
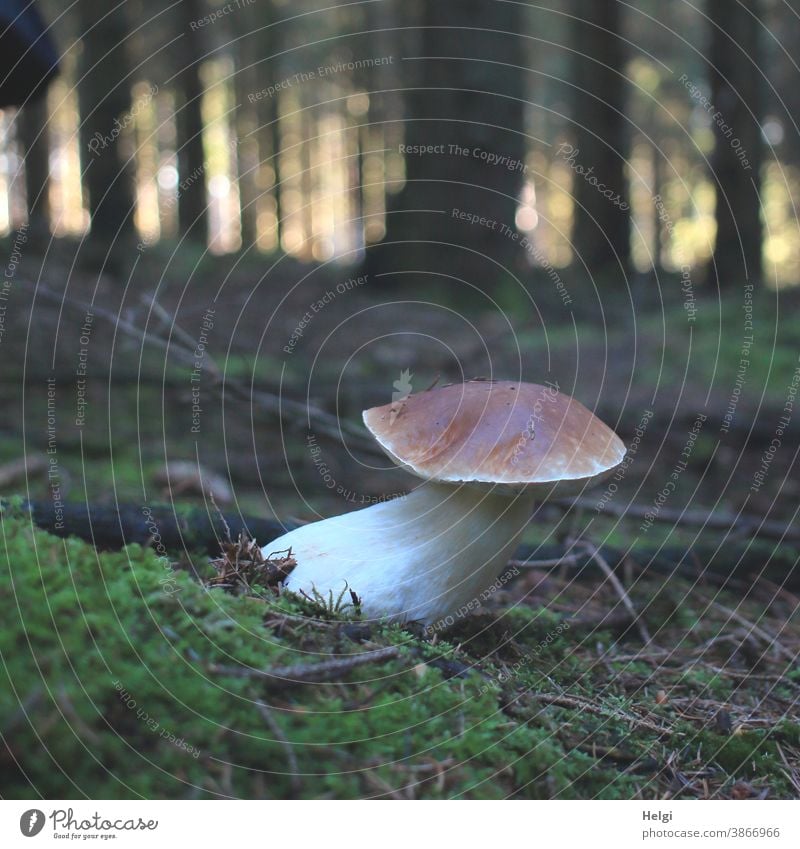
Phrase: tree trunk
x=464 y=149
x=180 y=529
x=269 y=141
x=601 y=224
x=253 y=115
x=192 y=201
x=33 y=134
x=734 y=63
x=658 y=239
x=104 y=93
x=248 y=154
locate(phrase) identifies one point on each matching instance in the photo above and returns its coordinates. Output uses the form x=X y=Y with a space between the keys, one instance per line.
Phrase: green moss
x=106 y=690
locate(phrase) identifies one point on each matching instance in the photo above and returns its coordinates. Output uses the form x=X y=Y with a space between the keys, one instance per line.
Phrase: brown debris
x=243 y=565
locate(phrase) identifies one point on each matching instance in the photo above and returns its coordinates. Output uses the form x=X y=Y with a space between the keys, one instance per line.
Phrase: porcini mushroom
x=486 y=450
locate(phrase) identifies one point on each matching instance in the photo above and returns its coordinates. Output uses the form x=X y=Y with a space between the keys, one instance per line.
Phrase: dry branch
x=620 y=590
x=326 y=670
x=741 y=524
x=294 y=770
x=295 y=413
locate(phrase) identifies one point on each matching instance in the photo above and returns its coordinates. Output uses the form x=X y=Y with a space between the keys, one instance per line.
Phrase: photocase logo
x=31 y=822
x=402 y=389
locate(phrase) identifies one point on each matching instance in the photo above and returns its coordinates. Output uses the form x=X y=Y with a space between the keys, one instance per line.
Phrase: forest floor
x=128 y=675
x=623 y=351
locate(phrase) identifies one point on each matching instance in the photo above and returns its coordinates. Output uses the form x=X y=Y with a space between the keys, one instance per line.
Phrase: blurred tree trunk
x=34 y=137
x=256 y=118
x=601 y=225
x=104 y=93
x=248 y=152
x=382 y=86
x=784 y=22
x=192 y=201
x=658 y=241
x=269 y=142
x=736 y=93
x=463 y=101
x=254 y=114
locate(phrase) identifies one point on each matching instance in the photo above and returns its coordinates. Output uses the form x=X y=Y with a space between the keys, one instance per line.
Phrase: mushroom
x=486 y=451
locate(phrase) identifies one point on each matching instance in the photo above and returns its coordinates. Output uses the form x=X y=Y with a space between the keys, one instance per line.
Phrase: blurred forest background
x=271 y=126
x=609 y=206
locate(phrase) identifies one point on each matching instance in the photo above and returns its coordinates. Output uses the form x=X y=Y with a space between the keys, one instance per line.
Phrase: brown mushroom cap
x=512 y=435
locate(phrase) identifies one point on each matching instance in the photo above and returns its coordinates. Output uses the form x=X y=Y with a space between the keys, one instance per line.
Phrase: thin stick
x=768 y=638
x=792 y=775
x=620 y=589
x=566 y=560
x=220 y=516
x=748 y=676
x=169 y=321
x=294 y=770
x=310 y=672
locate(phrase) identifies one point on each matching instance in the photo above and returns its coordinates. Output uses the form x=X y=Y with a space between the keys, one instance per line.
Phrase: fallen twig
x=752 y=628
x=620 y=590
x=180 y=343
x=551 y=563
x=294 y=770
x=309 y=672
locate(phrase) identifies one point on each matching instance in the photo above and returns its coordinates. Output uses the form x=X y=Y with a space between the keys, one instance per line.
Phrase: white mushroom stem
x=425 y=556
